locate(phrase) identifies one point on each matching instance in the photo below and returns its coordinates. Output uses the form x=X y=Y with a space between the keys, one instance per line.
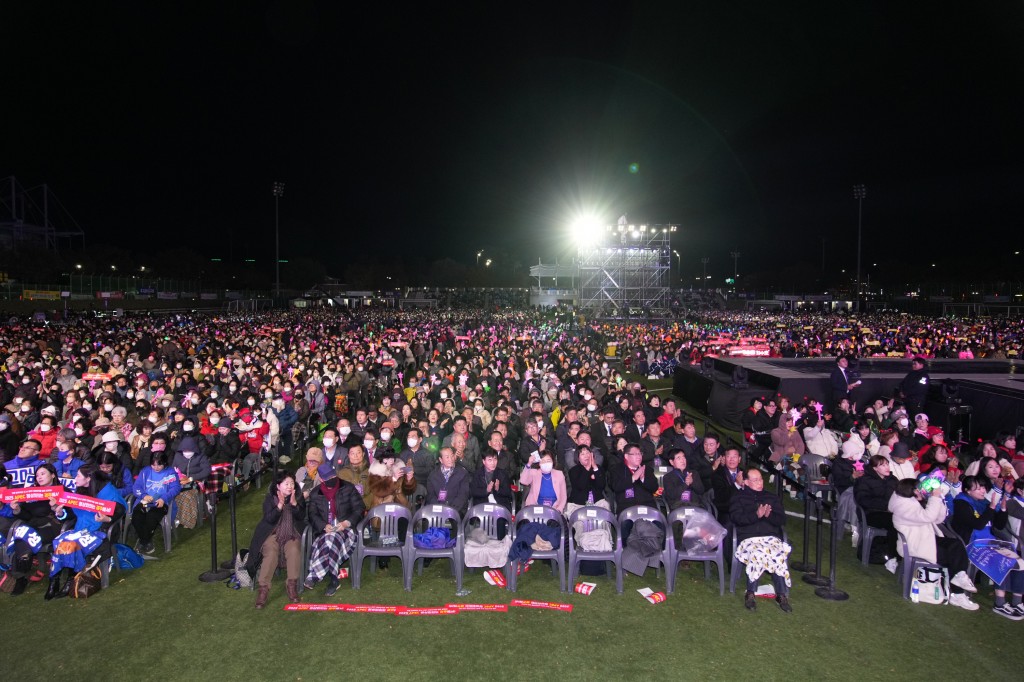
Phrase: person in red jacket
x=253 y=432
x=46 y=433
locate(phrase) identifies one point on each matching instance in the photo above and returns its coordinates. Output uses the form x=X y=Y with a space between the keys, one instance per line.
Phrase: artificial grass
x=160 y=622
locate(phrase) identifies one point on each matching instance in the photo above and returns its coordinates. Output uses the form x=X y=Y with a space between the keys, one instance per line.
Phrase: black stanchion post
x=215 y=574
x=234 y=529
x=803 y=566
x=829 y=591
x=814 y=577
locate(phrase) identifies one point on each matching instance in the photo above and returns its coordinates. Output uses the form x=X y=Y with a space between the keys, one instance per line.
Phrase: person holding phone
x=275 y=541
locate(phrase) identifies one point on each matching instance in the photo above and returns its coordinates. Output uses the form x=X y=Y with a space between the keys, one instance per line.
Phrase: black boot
x=53 y=589
x=66 y=587
x=19 y=586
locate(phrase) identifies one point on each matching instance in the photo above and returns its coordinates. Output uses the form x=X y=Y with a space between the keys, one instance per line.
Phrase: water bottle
x=915 y=591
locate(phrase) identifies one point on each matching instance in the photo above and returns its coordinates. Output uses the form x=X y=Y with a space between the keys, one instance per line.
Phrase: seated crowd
x=456 y=407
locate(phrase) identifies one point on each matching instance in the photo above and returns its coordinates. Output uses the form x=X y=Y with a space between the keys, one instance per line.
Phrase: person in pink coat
x=547 y=484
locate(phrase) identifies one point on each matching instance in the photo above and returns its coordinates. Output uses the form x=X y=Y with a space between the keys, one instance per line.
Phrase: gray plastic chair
x=388 y=544
x=734 y=568
x=910 y=564
x=682 y=515
x=638 y=513
x=594 y=518
x=489 y=516
x=867 y=534
x=436 y=516
x=540 y=514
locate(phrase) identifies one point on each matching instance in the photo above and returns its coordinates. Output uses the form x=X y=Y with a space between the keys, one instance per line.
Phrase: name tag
x=437 y=508
x=389 y=508
x=662 y=470
x=629 y=494
x=488 y=508
x=592 y=513
x=641 y=510
x=359 y=487
x=443 y=495
x=538 y=510
x=590 y=497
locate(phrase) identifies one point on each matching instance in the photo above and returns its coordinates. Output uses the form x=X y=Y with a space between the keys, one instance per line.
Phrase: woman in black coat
x=587 y=481
x=491 y=480
x=872 y=492
x=278 y=535
x=335 y=507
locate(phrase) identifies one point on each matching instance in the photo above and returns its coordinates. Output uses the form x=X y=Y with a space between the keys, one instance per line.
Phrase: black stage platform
x=993 y=389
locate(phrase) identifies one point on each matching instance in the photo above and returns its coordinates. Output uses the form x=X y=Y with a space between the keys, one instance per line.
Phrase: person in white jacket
x=819 y=439
x=917 y=515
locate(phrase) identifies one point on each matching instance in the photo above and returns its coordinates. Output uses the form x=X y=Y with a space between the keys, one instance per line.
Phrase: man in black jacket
x=914 y=387
x=759 y=514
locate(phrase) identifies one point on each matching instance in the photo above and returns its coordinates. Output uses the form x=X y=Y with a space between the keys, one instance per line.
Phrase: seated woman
x=155 y=490
x=390 y=481
x=759 y=518
x=306 y=476
x=919 y=524
x=335 y=507
x=35 y=536
x=681 y=487
x=65 y=460
x=356 y=470
x=974 y=518
x=71 y=548
x=276 y=540
x=588 y=482
x=547 y=484
x=110 y=463
x=194 y=471
x=872 y=492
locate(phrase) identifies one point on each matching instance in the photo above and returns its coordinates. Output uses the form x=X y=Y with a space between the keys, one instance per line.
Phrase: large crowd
x=157 y=416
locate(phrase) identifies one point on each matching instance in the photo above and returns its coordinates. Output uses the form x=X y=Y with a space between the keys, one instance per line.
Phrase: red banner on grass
x=478 y=607
x=427 y=611
x=531 y=604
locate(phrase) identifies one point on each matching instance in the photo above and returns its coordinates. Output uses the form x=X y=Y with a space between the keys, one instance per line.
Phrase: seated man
x=491 y=484
x=759 y=519
x=449 y=483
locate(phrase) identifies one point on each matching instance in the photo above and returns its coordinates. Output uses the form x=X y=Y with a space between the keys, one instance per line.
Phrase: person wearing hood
x=786 y=441
x=335 y=506
x=191 y=463
x=67 y=379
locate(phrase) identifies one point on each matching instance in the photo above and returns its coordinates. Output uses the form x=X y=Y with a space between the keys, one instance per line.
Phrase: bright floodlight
x=585 y=229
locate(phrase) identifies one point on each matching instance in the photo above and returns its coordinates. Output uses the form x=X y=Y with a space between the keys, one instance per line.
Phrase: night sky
x=439 y=129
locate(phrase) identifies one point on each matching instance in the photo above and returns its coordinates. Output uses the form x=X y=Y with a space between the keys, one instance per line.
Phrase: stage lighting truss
x=627 y=271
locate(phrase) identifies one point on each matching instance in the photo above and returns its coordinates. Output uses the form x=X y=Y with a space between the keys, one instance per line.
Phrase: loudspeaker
x=707 y=366
x=955 y=420
x=740 y=378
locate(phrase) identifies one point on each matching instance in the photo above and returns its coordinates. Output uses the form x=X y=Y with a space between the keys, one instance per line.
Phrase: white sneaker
x=963 y=582
x=963 y=601
x=890 y=565
x=856 y=537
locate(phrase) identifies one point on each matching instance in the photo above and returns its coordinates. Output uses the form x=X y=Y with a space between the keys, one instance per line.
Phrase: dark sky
x=438 y=129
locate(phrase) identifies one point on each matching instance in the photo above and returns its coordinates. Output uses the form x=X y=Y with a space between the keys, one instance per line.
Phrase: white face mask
x=188 y=455
x=3 y=426
x=25 y=407
x=214 y=420
x=444 y=396
x=251 y=402
x=904 y=423
x=25 y=381
x=79 y=432
x=188 y=426
x=546 y=467
x=165 y=403
x=107 y=407
x=111 y=447
x=213 y=394
x=328 y=442
x=18 y=401
x=385 y=435
x=44 y=427
x=411 y=442
x=591 y=408
x=268 y=395
x=368 y=444
x=344 y=430
x=87 y=406
x=130 y=395
x=195 y=400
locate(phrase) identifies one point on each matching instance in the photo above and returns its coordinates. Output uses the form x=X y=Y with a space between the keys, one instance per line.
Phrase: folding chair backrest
x=489 y=515
x=389 y=515
x=437 y=516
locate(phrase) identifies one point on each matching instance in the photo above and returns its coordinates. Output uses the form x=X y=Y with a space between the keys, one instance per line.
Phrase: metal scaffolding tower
x=35 y=216
x=624 y=271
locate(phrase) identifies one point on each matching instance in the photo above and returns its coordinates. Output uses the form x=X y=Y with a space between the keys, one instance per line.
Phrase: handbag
x=242 y=577
x=86 y=583
x=933 y=585
x=6 y=582
x=188 y=505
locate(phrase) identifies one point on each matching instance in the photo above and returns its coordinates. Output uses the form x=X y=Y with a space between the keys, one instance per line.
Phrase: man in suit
x=841 y=382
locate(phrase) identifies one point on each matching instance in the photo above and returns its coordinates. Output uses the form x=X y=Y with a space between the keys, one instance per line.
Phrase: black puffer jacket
x=872 y=492
x=743 y=513
x=348 y=505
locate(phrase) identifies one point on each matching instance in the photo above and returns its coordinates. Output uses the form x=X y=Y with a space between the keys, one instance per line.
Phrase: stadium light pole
x=705 y=260
x=735 y=264
x=859 y=191
x=278 y=193
x=679 y=264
